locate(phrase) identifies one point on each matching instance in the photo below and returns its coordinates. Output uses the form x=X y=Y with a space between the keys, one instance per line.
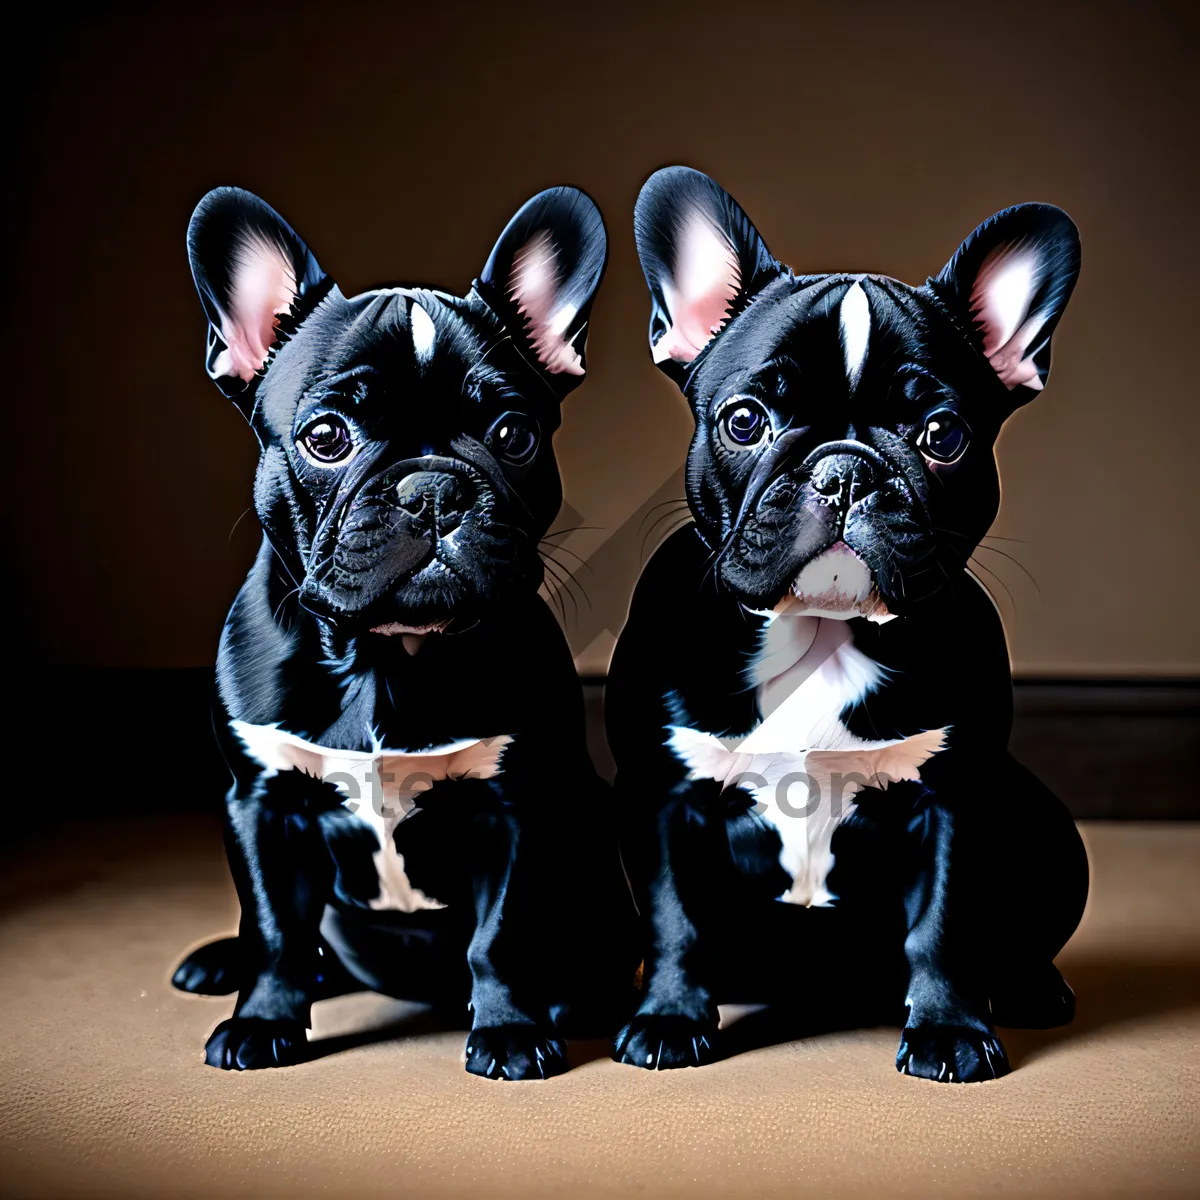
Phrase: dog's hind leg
x=218 y=968
x=1000 y=882
x=419 y=956
x=214 y=969
x=1036 y=905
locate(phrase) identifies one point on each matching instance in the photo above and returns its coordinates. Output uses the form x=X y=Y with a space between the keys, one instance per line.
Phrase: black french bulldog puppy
x=811 y=702
x=413 y=807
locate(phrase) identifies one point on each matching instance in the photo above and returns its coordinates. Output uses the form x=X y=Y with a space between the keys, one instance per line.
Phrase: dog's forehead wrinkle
x=386 y=342
x=379 y=310
x=765 y=334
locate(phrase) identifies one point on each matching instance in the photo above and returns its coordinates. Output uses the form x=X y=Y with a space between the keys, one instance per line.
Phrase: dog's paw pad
x=659 y=1042
x=515 y=1052
x=951 y=1054
x=210 y=970
x=251 y=1043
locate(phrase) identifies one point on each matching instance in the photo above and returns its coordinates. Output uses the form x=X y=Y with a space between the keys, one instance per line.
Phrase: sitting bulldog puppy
x=810 y=703
x=413 y=807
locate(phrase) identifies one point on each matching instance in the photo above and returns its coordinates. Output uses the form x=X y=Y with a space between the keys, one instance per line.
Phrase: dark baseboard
x=1114 y=749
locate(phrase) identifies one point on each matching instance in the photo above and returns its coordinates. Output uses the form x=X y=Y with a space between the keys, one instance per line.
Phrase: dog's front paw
x=659 y=1042
x=951 y=1053
x=213 y=969
x=515 y=1052
x=249 y=1043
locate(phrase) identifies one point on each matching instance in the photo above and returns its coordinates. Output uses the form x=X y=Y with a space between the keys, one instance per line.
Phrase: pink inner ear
x=706 y=280
x=263 y=286
x=533 y=286
x=1000 y=303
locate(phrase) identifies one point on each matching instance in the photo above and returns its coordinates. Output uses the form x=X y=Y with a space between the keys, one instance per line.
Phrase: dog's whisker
x=671 y=515
x=992 y=550
x=572 y=529
x=671 y=523
x=583 y=562
x=552 y=590
x=570 y=575
x=241 y=517
x=563 y=590
x=677 y=502
x=1016 y=562
x=978 y=566
x=275 y=614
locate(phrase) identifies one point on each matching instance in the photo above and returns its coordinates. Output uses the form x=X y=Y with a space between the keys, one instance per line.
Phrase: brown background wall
x=398 y=139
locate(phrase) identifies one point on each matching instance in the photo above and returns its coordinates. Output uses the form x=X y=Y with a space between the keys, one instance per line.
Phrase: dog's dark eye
x=326 y=440
x=944 y=437
x=513 y=437
x=744 y=424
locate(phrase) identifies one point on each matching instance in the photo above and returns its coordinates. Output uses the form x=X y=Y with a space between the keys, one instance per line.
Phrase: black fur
x=430 y=522
x=951 y=894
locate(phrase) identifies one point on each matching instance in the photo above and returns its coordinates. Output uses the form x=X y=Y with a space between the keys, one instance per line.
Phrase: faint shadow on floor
x=381 y=1019
x=1112 y=992
x=1108 y=992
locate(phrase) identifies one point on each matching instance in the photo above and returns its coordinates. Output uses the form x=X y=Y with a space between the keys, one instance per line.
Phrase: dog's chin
x=434 y=599
x=836 y=584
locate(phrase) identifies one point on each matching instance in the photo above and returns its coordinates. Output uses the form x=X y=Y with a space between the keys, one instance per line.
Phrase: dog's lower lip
x=842 y=586
x=392 y=628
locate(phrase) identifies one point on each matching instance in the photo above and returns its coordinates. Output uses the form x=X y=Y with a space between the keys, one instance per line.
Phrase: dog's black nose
x=845 y=479
x=435 y=499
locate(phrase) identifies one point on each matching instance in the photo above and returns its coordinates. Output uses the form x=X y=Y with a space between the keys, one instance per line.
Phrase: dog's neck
x=815 y=657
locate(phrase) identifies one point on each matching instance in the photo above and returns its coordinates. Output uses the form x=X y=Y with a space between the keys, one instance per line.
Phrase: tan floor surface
x=103 y=1091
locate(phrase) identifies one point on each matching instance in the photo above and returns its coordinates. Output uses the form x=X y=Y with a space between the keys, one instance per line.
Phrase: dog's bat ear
x=1007 y=286
x=541 y=278
x=703 y=261
x=256 y=279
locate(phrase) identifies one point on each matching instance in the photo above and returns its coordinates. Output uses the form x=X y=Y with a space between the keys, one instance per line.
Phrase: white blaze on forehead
x=855 y=317
x=423 y=332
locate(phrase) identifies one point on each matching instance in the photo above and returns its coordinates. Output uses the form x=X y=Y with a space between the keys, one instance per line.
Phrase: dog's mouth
x=388 y=584
x=835 y=583
x=398 y=628
x=412 y=637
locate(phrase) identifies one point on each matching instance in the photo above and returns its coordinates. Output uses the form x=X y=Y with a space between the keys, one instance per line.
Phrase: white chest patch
x=380 y=787
x=801 y=764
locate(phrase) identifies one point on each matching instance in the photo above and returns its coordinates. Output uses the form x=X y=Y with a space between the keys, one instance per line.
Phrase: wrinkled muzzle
x=815 y=530
x=399 y=526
